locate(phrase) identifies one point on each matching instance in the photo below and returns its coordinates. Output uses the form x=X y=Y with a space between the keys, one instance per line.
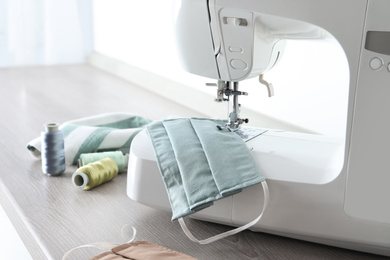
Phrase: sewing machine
x=321 y=189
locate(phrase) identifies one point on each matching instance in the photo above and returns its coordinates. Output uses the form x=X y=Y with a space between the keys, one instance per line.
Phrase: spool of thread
x=120 y=159
x=52 y=150
x=95 y=174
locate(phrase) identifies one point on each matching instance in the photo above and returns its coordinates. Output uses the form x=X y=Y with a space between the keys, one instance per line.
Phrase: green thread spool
x=120 y=159
x=95 y=174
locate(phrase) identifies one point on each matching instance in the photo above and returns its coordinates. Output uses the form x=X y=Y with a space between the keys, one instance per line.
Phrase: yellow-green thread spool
x=95 y=174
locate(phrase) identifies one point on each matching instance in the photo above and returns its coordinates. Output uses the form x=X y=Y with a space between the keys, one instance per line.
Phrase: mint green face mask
x=200 y=163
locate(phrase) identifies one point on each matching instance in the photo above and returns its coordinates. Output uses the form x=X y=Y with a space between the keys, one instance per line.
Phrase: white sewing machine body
x=321 y=189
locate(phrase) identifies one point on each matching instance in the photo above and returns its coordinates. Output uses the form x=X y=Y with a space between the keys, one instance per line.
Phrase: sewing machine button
x=388 y=67
x=235 y=21
x=238 y=64
x=235 y=49
x=376 y=63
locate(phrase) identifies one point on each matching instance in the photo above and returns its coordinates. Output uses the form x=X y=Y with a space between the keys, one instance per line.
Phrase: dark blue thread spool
x=52 y=150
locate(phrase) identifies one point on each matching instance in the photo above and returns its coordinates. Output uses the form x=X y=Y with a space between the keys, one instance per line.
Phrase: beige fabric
x=142 y=250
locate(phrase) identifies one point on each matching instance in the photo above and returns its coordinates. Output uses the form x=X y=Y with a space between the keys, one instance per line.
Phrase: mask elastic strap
x=230 y=232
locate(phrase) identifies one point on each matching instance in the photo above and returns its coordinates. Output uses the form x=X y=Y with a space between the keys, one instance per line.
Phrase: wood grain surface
x=52 y=216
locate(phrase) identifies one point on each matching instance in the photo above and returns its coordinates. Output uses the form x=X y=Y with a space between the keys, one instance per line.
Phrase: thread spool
x=120 y=159
x=95 y=174
x=52 y=150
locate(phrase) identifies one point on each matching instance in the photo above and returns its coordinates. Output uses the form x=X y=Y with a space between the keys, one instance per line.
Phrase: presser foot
x=235 y=124
x=246 y=133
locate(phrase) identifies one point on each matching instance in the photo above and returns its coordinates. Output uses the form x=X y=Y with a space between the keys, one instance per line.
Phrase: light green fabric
x=200 y=163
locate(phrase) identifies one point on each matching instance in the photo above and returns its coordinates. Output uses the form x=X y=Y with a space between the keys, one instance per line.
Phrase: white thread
x=103 y=245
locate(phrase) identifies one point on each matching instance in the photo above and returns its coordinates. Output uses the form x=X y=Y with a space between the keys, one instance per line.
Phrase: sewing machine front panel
x=367 y=191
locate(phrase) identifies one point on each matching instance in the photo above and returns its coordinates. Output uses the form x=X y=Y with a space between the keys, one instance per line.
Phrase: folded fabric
x=142 y=250
x=106 y=132
x=200 y=163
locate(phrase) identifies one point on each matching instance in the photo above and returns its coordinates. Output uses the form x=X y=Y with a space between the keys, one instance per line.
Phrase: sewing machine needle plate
x=248 y=133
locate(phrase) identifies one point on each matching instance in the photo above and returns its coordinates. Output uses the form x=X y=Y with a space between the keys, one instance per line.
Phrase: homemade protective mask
x=138 y=250
x=200 y=163
x=142 y=250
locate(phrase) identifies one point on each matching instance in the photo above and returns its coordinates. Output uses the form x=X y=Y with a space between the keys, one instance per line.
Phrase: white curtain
x=45 y=32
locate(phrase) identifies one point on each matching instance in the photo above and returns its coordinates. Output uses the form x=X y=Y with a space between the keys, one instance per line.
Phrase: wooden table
x=52 y=216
